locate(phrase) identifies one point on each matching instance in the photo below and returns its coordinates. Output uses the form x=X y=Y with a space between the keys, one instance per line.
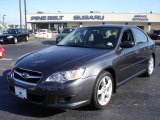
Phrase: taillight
x=2 y=52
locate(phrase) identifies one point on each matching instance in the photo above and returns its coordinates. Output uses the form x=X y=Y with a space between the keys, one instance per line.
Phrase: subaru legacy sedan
x=86 y=67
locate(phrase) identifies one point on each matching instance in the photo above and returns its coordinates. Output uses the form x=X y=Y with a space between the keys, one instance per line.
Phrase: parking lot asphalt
x=138 y=99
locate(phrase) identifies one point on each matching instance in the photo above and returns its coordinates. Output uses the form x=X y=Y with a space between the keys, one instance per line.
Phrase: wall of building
x=146 y=21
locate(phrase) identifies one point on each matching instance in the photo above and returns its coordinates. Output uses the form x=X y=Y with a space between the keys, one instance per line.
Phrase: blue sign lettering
x=47 y=18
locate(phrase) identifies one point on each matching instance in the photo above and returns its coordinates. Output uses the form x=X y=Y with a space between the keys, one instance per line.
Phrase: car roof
x=12 y=29
x=113 y=25
x=17 y=29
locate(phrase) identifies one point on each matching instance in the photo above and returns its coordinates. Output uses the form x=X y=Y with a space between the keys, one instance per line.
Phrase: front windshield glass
x=41 y=31
x=10 y=31
x=66 y=31
x=92 y=37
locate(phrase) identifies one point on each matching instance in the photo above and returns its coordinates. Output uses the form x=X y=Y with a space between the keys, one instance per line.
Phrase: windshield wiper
x=76 y=45
x=61 y=45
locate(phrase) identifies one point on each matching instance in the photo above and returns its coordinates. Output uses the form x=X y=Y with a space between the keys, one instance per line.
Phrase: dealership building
x=57 y=21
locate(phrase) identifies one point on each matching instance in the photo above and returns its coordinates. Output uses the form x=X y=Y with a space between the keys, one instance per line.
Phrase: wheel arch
x=154 y=57
x=113 y=73
x=111 y=70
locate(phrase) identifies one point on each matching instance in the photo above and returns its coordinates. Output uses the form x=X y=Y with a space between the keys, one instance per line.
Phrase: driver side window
x=127 y=36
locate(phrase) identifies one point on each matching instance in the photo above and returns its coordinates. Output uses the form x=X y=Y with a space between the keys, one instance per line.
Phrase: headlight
x=9 y=37
x=62 y=77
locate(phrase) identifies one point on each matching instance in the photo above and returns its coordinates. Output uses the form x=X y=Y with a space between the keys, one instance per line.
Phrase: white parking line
x=4 y=69
x=20 y=43
x=6 y=59
x=25 y=43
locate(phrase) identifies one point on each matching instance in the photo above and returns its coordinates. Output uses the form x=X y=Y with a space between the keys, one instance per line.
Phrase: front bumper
x=63 y=96
x=6 y=40
x=41 y=36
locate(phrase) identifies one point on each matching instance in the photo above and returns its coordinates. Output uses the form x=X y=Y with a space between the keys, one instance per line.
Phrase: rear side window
x=140 y=36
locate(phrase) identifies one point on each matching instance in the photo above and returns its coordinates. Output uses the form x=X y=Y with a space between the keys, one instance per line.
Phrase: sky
x=10 y=8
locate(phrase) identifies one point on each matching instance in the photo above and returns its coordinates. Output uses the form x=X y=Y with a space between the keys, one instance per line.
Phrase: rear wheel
x=27 y=38
x=150 y=66
x=103 y=91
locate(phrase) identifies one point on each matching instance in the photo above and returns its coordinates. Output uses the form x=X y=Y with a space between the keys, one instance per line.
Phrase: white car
x=43 y=33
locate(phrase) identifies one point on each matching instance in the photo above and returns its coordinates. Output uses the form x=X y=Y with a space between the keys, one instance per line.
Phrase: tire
x=150 y=67
x=27 y=38
x=15 y=40
x=103 y=91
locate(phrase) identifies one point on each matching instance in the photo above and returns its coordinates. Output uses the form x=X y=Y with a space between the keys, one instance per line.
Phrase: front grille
x=4 y=38
x=27 y=76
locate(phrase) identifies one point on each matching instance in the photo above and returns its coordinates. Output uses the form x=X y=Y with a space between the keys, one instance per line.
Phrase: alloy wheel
x=104 y=91
x=151 y=65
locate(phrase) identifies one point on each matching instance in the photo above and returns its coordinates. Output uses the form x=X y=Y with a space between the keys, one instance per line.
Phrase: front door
x=128 y=58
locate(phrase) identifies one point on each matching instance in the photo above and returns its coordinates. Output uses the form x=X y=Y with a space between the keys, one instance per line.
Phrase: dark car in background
x=85 y=67
x=14 y=36
x=63 y=34
x=155 y=34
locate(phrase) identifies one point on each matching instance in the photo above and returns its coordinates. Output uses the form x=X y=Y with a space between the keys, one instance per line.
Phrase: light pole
x=25 y=13
x=3 y=18
x=20 y=12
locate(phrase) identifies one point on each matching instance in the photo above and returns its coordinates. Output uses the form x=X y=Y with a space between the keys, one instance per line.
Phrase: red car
x=2 y=52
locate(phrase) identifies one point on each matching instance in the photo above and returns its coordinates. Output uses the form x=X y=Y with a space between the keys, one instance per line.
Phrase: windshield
x=41 y=31
x=92 y=37
x=10 y=31
x=67 y=31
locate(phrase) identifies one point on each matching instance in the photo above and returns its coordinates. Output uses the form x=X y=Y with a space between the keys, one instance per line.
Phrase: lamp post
x=20 y=12
x=3 y=18
x=25 y=13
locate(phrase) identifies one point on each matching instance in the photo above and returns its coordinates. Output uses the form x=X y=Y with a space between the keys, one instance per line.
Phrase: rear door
x=20 y=35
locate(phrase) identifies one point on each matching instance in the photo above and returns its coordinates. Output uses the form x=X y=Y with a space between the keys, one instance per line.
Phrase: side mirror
x=127 y=44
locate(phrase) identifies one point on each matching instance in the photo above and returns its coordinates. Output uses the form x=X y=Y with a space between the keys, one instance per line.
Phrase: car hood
x=59 y=58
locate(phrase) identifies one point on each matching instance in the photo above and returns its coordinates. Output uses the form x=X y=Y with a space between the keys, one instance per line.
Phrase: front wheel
x=15 y=40
x=150 y=66
x=103 y=91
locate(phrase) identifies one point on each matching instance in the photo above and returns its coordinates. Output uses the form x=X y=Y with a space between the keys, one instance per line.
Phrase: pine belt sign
x=64 y=18
x=46 y=18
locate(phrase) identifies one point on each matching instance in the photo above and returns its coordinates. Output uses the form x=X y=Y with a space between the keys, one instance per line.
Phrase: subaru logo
x=25 y=75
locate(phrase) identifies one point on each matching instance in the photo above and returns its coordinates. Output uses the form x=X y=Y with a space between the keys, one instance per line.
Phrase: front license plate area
x=21 y=92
